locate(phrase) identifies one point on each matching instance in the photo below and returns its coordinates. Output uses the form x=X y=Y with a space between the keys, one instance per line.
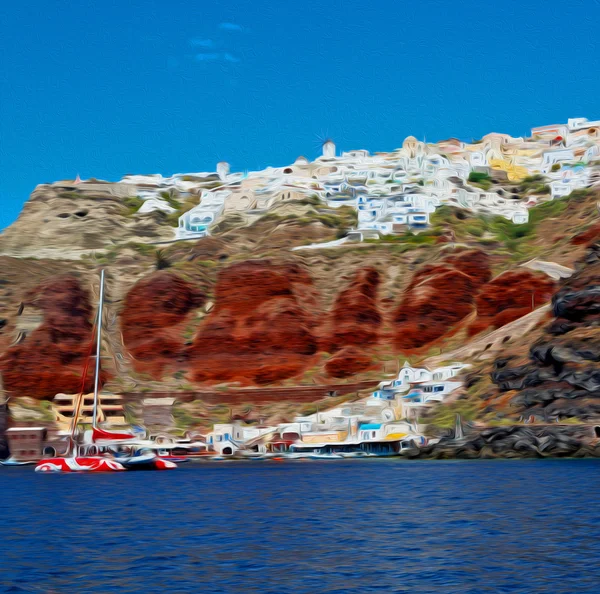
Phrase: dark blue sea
x=353 y=526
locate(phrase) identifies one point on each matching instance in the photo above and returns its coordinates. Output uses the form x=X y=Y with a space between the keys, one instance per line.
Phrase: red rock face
x=509 y=296
x=153 y=319
x=347 y=362
x=474 y=263
x=438 y=298
x=587 y=237
x=261 y=329
x=51 y=359
x=355 y=318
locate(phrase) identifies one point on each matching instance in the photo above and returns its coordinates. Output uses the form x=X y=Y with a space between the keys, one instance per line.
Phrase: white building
x=227 y=438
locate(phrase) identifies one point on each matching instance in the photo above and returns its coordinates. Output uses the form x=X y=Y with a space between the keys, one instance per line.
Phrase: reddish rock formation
x=439 y=297
x=347 y=362
x=153 y=319
x=472 y=262
x=261 y=328
x=587 y=237
x=51 y=358
x=509 y=296
x=355 y=318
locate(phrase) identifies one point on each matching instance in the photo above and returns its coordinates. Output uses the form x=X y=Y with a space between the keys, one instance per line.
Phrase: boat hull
x=147 y=462
x=79 y=464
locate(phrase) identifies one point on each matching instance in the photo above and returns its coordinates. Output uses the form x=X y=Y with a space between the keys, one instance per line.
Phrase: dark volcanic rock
x=564 y=362
x=517 y=442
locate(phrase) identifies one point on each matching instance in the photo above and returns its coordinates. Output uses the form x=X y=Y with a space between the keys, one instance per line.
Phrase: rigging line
x=83 y=380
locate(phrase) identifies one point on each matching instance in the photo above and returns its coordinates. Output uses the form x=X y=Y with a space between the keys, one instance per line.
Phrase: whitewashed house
x=408 y=376
x=226 y=439
x=152 y=204
x=197 y=221
x=557 y=156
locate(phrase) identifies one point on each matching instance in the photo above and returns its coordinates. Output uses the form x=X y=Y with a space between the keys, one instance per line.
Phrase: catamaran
x=99 y=450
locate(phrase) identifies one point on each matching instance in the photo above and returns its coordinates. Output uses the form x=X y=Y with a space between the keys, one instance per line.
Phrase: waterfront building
x=111 y=411
x=158 y=413
x=26 y=443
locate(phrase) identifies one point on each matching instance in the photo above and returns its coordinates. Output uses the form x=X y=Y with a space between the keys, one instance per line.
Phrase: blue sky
x=108 y=88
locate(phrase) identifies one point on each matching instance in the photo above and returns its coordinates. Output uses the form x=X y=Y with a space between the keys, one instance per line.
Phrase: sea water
x=354 y=526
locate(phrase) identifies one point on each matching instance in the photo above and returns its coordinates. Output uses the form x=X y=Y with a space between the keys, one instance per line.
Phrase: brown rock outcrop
x=347 y=362
x=509 y=296
x=65 y=218
x=261 y=329
x=438 y=297
x=51 y=358
x=588 y=236
x=153 y=319
x=355 y=318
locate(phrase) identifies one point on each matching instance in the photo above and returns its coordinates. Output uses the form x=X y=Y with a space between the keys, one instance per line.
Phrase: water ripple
x=333 y=527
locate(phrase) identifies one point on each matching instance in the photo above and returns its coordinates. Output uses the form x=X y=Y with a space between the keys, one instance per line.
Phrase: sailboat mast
x=98 y=342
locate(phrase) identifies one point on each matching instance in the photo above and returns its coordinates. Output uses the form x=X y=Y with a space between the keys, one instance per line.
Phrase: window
x=438 y=388
x=437 y=376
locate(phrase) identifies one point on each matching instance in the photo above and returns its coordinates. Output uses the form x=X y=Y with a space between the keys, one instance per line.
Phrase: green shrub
x=142 y=248
x=481 y=179
x=172 y=202
x=161 y=260
x=312 y=200
x=173 y=218
x=474 y=230
x=132 y=204
x=552 y=208
x=533 y=183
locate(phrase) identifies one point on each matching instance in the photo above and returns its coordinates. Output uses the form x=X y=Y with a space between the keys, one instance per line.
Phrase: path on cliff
x=488 y=345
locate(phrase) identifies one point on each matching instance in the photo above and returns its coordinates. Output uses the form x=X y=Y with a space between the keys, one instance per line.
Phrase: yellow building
x=514 y=172
x=110 y=409
x=324 y=437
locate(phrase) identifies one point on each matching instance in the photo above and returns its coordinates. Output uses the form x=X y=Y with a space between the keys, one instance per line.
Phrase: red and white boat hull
x=164 y=464
x=79 y=464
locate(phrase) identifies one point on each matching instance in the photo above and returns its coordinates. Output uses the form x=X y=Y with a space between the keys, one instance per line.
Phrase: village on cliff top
x=391 y=193
x=393 y=190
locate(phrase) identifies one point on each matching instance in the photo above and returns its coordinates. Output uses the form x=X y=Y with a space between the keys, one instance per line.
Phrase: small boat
x=326 y=457
x=12 y=462
x=353 y=454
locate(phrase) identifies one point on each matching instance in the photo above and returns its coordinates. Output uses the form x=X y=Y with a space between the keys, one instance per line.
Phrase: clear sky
x=129 y=86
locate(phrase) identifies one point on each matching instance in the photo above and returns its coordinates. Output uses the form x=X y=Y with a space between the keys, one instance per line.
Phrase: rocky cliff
x=561 y=379
x=241 y=308
x=66 y=220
